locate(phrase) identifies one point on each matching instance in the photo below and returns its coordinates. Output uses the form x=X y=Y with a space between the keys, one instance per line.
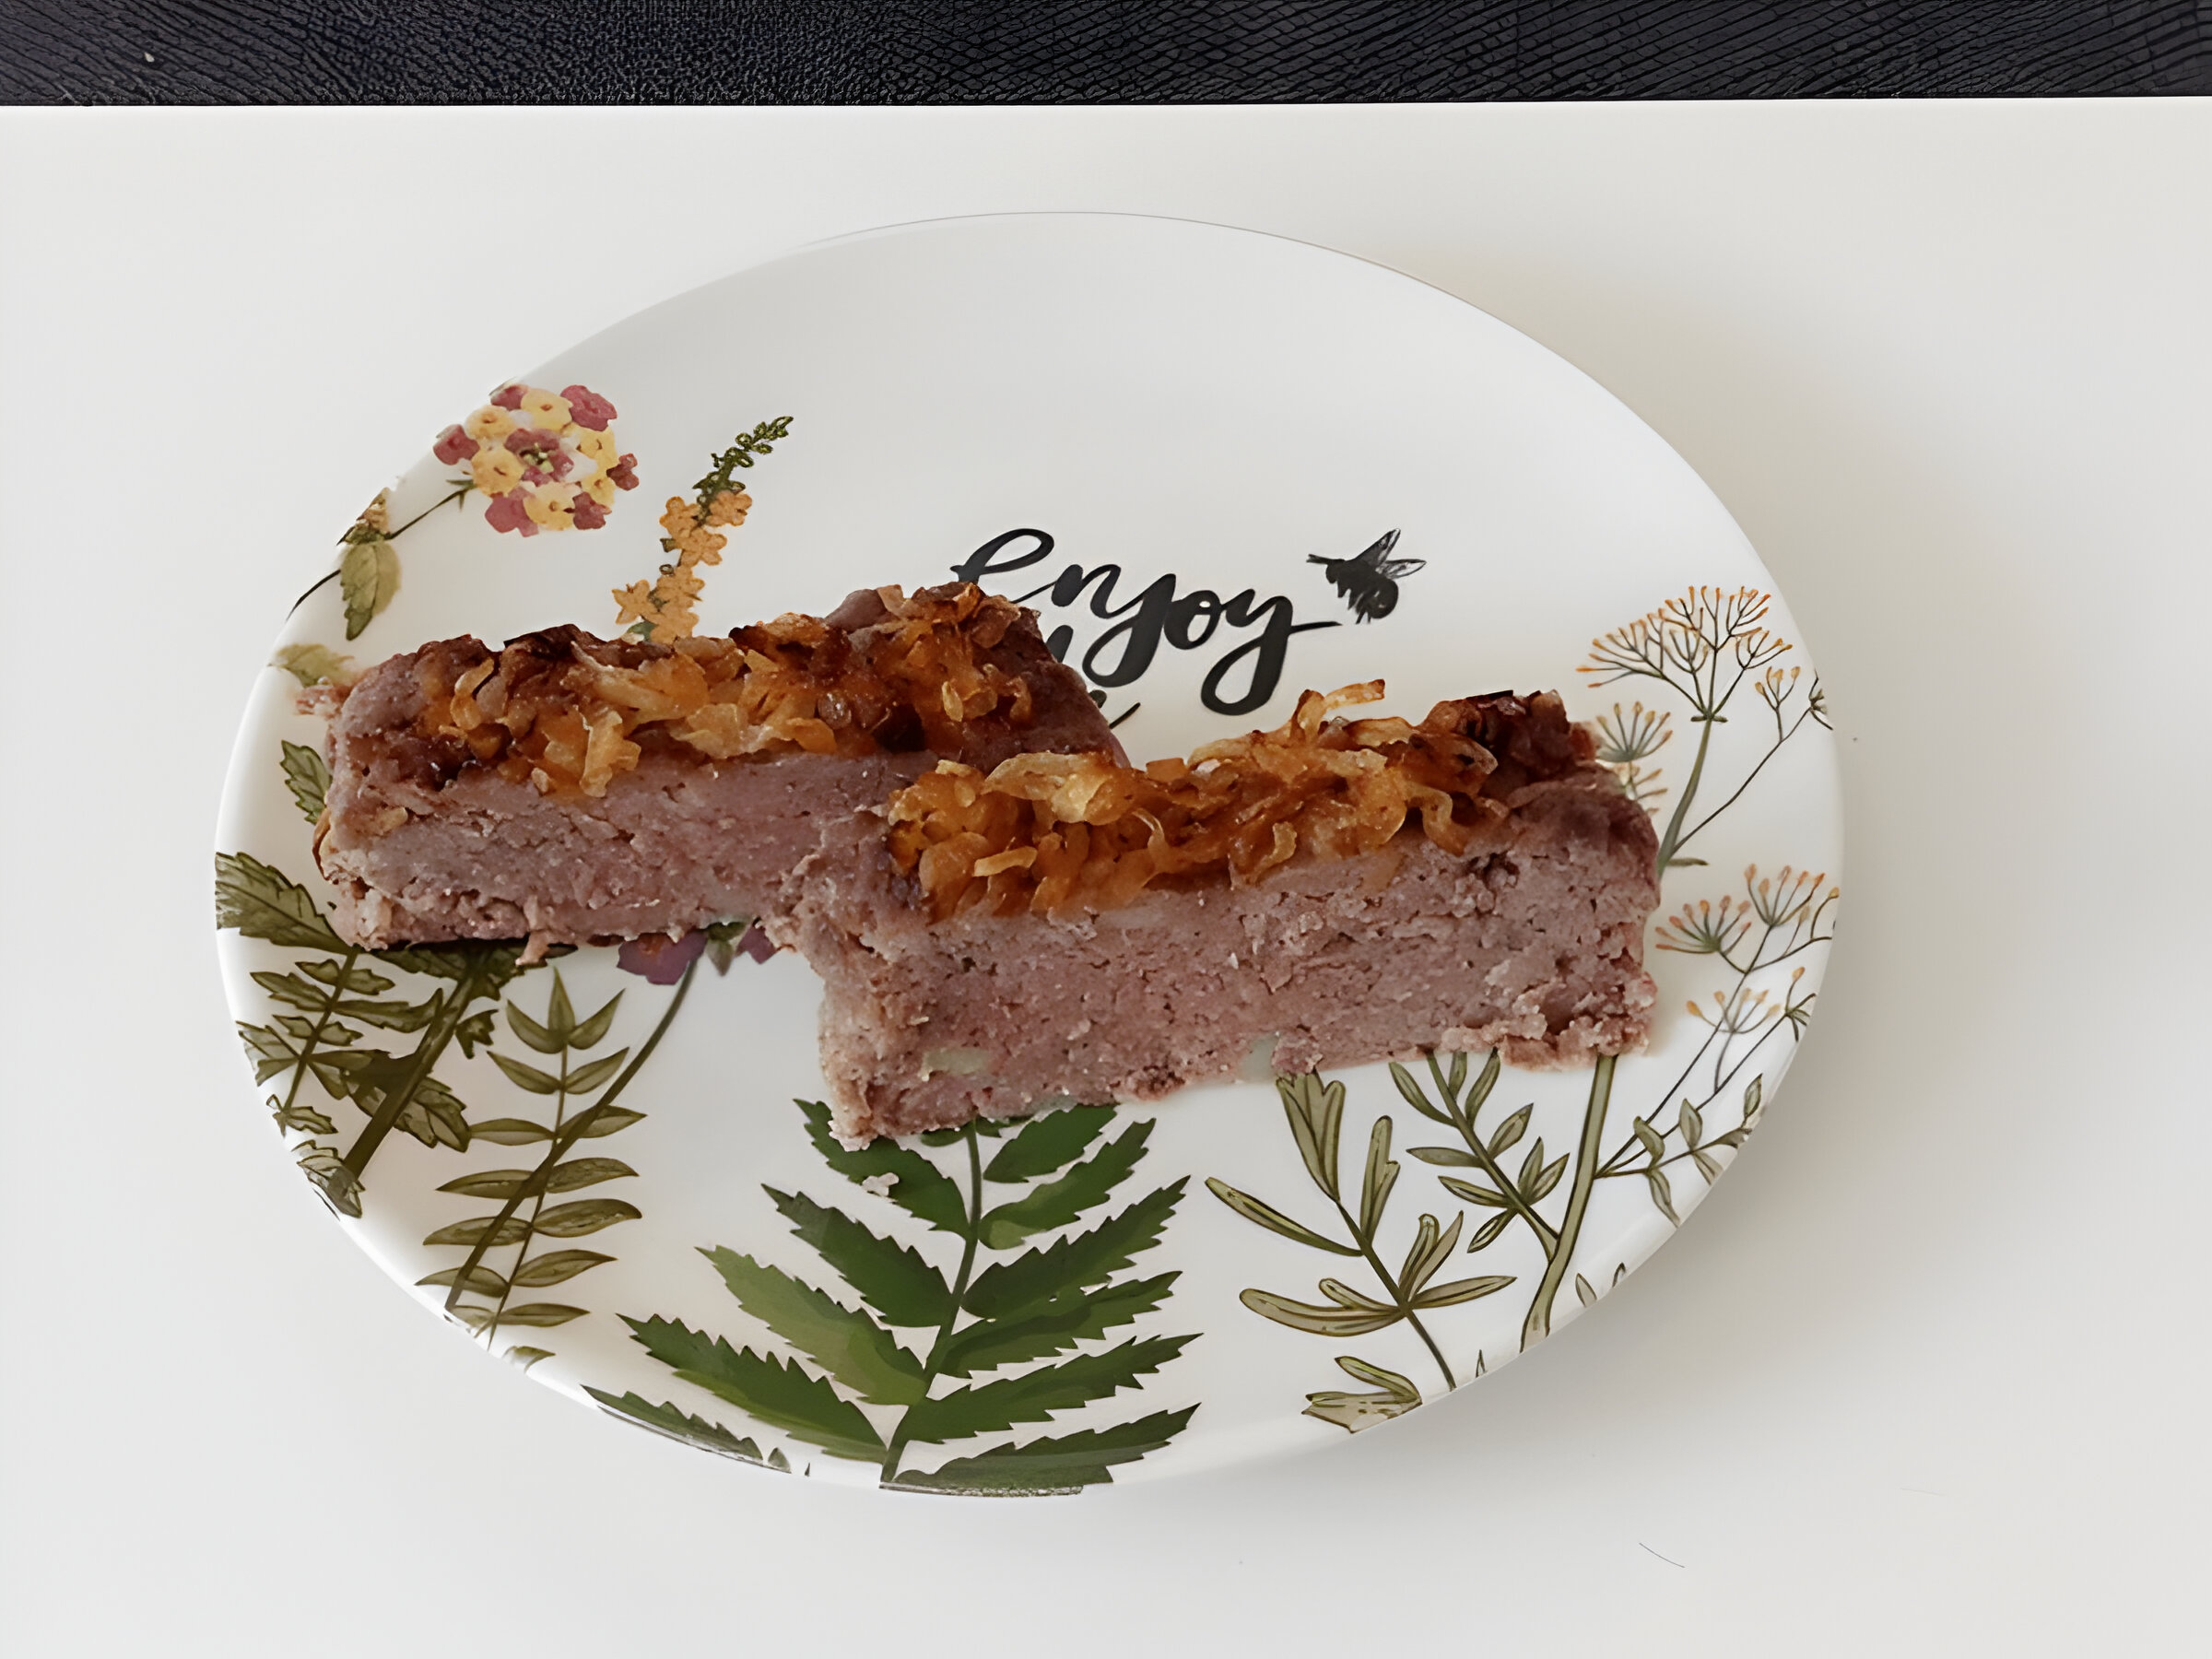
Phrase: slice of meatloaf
x=1328 y=894
x=572 y=788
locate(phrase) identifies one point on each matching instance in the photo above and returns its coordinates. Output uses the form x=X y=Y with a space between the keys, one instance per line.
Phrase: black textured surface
x=1086 y=51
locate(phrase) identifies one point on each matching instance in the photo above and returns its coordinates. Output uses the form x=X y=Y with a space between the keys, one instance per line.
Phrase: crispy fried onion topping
x=1056 y=834
x=570 y=712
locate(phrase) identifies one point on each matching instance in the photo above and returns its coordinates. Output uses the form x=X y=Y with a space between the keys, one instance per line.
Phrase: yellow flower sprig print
x=665 y=608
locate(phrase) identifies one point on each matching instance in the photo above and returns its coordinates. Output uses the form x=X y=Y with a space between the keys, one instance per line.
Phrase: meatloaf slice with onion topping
x=571 y=788
x=1331 y=892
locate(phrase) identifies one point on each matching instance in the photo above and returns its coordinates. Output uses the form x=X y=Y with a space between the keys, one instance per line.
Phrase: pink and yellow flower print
x=526 y=450
x=545 y=408
x=489 y=423
x=495 y=471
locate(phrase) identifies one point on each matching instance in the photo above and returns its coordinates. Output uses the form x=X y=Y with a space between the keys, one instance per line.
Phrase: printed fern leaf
x=333 y=1063
x=1055 y=1329
x=489 y=968
x=432 y=1114
x=890 y=1277
x=781 y=1396
x=917 y=1186
x=1034 y=1396
x=843 y=1341
x=1036 y=1278
x=556 y=1265
x=1066 y=1464
x=263 y=904
x=584 y=1215
x=344 y=980
x=1046 y=1143
x=1058 y=1203
x=670 y=1420
x=296 y=992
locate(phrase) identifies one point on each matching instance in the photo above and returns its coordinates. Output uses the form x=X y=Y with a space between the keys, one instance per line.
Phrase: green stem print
x=1315 y=1112
x=1514 y=1197
x=404 y=1091
x=334 y=994
x=1706 y=646
x=1783 y=917
x=1518 y=1197
x=721 y=473
x=1045 y=1304
x=1537 y=1325
x=563 y=1037
x=327 y=990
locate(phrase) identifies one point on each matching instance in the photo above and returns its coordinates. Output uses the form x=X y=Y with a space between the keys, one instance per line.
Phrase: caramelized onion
x=1096 y=834
x=567 y=712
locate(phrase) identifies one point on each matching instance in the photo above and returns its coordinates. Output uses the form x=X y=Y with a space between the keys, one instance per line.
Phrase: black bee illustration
x=1369 y=582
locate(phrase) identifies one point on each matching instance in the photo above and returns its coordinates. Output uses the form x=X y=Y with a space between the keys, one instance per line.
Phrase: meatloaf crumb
x=1177 y=949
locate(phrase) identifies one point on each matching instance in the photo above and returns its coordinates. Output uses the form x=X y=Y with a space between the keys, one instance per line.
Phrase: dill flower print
x=544 y=460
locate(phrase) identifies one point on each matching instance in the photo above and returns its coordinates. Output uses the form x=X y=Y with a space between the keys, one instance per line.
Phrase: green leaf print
x=1274 y=1220
x=1062 y=1464
x=890 y=1277
x=261 y=902
x=1058 y=1203
x=526 y=1217
x=1037 y=1276
x=1054 y=1328
x=539 y=1314
x=307 y=777
x=917 y=1186
x=1314 y=1109
x=337 y=993
x=1048 y=1143
x=368 y=581
x=1392 y=1395
x=843 y=1341
x=677 y=1424
x=779 y=1395
x=1033 y=1396
x=556 y=1266
x=313 y=666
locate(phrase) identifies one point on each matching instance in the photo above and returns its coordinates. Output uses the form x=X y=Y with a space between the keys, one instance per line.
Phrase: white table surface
x=1927 y=1374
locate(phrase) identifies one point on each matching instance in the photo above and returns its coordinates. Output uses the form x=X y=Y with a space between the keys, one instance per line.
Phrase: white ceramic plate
x=1171 y=409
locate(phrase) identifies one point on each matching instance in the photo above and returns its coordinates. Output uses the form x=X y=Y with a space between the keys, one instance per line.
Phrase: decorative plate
x=1223 y=467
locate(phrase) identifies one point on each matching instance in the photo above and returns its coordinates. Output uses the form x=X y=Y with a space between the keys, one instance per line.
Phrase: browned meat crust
x=572 y=788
